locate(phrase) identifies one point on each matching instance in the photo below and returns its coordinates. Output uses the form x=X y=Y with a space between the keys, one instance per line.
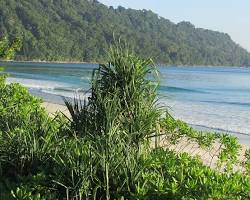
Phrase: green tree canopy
x=81 y=30
x=7 y=49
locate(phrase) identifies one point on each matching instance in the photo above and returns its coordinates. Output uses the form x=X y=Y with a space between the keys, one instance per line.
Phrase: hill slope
x=82 y=29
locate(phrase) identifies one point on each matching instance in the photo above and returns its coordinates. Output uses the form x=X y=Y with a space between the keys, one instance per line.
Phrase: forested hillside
x=81 y=30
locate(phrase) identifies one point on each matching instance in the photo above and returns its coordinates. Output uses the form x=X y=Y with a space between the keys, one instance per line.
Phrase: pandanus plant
x=119 y=116
x=130 y=83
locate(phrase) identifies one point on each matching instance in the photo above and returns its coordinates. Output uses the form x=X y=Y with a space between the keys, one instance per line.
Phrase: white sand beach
x=208 y=156
x=52 y=108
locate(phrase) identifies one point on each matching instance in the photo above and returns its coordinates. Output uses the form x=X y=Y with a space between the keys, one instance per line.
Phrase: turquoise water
x=209 y=97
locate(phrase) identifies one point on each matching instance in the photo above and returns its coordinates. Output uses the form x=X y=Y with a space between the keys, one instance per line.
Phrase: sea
x=207 y=98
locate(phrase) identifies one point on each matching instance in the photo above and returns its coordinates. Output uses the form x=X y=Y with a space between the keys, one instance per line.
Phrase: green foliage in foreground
x=171 y=176
x=103 y=151
x=81 y=30
x=246 y=163
x=228 y=155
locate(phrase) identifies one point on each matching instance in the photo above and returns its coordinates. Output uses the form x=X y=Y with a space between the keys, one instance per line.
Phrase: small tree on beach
x=131 y=83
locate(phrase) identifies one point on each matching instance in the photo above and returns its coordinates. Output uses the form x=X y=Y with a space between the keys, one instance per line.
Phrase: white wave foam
x=37 y=84
x=73 y=94
x=50 y=87
x=217 y=116
x=224 y=117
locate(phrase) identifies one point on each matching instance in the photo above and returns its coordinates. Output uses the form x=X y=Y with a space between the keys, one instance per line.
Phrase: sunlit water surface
x=206 y=97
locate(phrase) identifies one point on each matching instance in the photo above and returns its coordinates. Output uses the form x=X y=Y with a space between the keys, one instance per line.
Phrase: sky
x=228 y=16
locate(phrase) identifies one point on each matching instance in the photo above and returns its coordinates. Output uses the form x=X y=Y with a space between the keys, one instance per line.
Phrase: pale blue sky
x=229 y=16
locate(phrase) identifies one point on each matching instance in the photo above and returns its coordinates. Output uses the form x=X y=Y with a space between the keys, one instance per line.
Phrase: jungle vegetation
x=82 y=30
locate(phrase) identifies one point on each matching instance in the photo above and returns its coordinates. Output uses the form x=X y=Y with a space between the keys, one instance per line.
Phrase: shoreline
x=97 y=63
x=208 y=156
x=47 y=62
x=52 y=108
x=243 y=138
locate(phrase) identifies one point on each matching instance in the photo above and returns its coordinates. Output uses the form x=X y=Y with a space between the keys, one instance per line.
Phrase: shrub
x=127 y=86
x=227 y=152
x=171 y=176
x=25 y=131
x=116 y=122
x=17 y=107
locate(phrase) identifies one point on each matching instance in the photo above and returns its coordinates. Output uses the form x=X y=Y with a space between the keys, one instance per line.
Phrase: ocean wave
x=180 y=89
x=67 y=94
x=217 y=111
x=50 y=87
x=218 y=117
x=37 y=84
x=68 y=89
x=246 y=104
x=215 y=129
